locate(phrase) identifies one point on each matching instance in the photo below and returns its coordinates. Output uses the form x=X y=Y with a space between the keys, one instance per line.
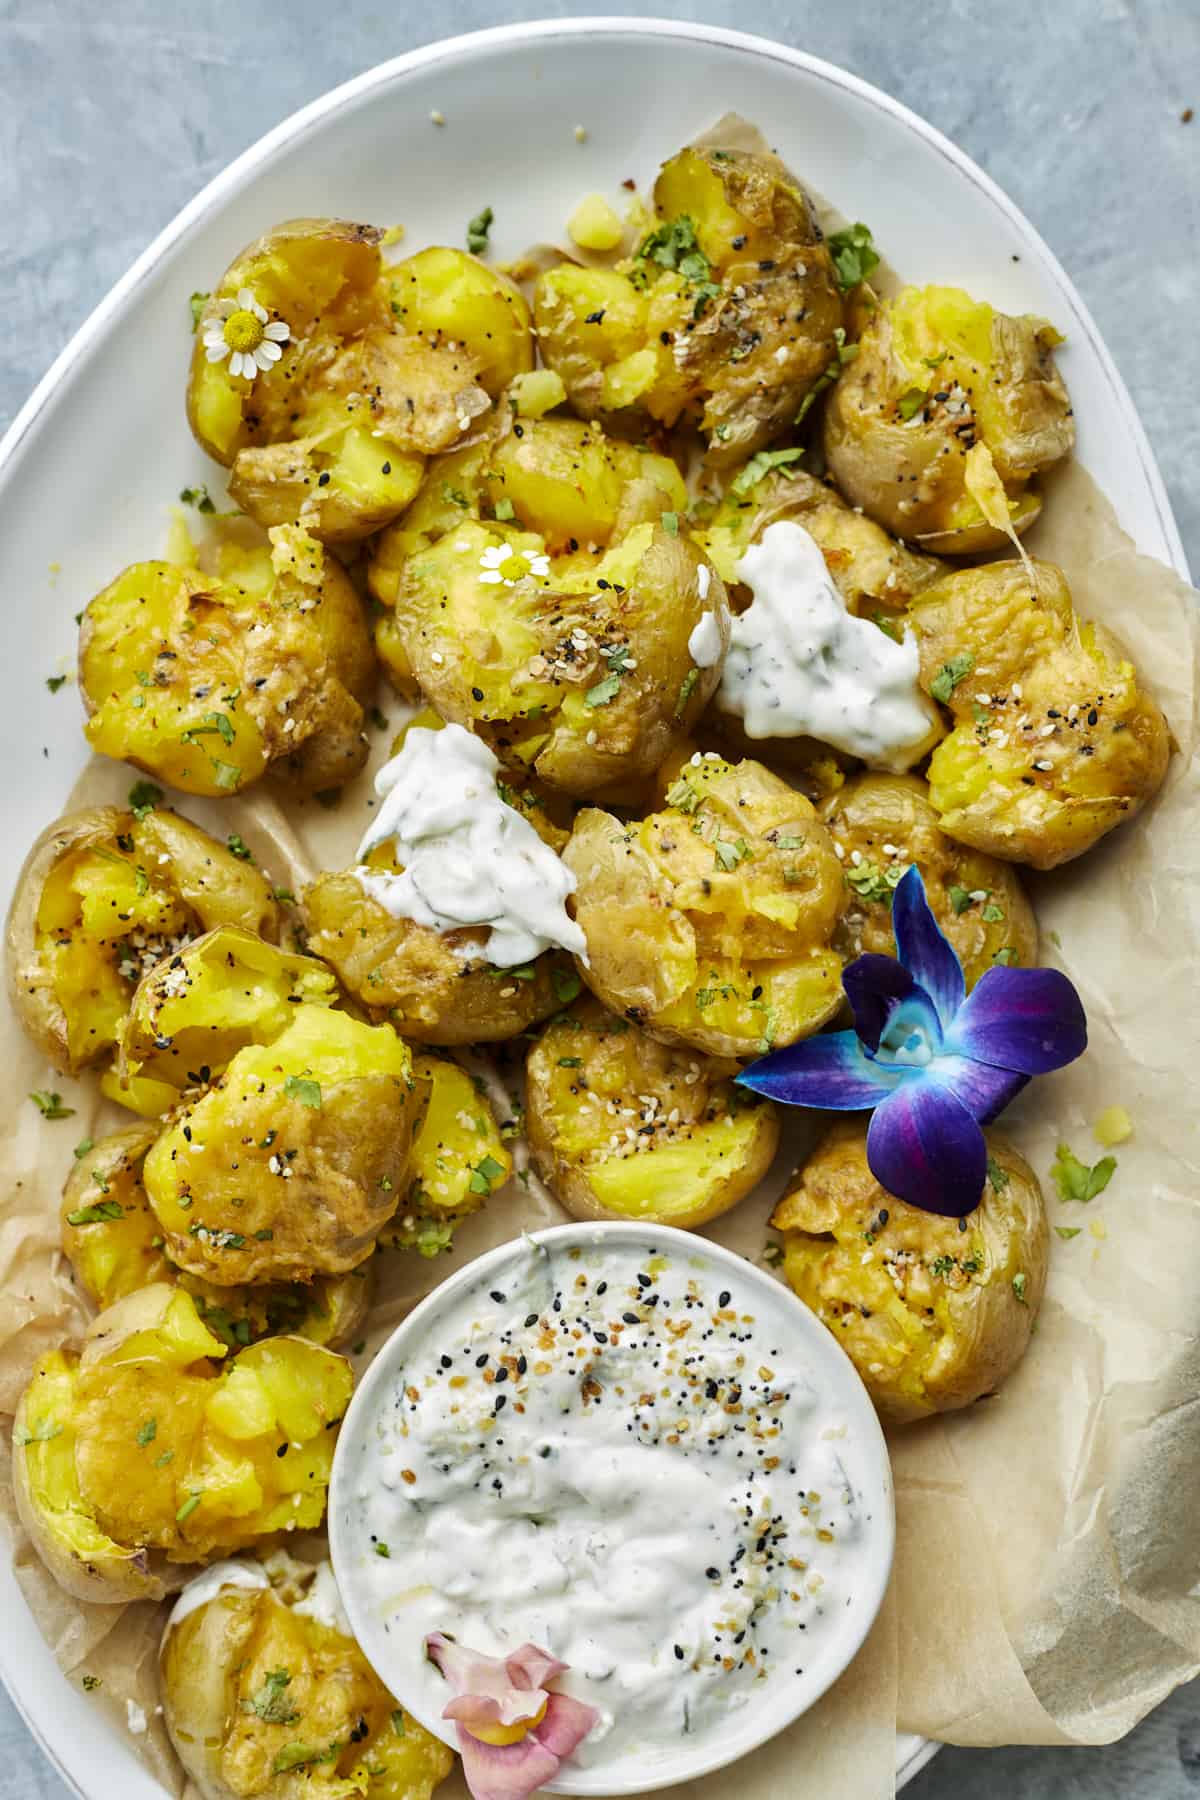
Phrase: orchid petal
x=506 y=1771
x=874 y=986
x=566 y=1724
x=831 y=1071
x=984 y=1091
x=925 y=953
x=1030 y=1020
x=924 y=1146
x=530 y=1667
x=486 y=1691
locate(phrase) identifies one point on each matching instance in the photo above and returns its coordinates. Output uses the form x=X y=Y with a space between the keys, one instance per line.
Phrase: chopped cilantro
x=687 y=687
x=228 y=775
x=759 y=465
x=683 y=796
x=199 y=497
x=942 y=1265
x=147 y=1431
x=144 y=796
x=854 y=255
x=284 y=895
x=238 y=847
x=54 y=682
x=141 y=881
x=728 y=856
x=604 y=691
x=97 y=1214
x=477 y=231
x=189 y=1506
x=1067 y=1232
x=50 y=1105
x=570 y=1062
x=484 y=1174
x=673 y=245
x=303 y=1089
x=214 y=722
x=1007 y=956
x=998 y=1177
x=1018 y=1287
x=1075 y=1180
x=454 y=496
x=505 y=510
x=271 y=1702
x=670 y=522
x=911 y=402
x=950 y=674
x=843 y=353
x=398 y=1722
x=870 y=882
x=381 y=1549
x=960 y=899
x=566 y=985
x=82 y=1147
x=993 y=914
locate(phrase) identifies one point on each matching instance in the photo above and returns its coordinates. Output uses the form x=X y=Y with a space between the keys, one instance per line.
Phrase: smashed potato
x=624 y=1127
x=103 y=896
x=447 y=297
x=726 y=315
x=208 y=681
x=112 y=1239
x=334 y=431
x=936 y=373
x=293 y=1161
x=709 y=922
x=1054 y=741
x=933 y=1317
x=143 y=1451
x=881 y=824
x=267 y=1696
x=458 y=1159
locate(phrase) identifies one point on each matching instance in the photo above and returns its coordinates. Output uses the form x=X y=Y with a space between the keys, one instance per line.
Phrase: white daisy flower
x=502 y=564
x=244 y=332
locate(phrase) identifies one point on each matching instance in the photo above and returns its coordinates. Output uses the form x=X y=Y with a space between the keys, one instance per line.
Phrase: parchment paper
x=1048 y=1568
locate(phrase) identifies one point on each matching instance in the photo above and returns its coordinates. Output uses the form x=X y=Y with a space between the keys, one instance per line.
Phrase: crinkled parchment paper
x=1047 y=1585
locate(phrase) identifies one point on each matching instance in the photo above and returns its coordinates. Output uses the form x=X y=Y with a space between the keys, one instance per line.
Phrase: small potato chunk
x=207 y=682
x=698 y=1147
x=936 y=373
x=581 y=673
x=448 y=297
x=458 y=1159
x=709 y=922
x=934 y=1318
x=421 y=980
x=724 y=317
x=293 y=1161
x=883 y=824
x=143 y=1452
x=104 y=895
x=1054 y=741
x=195 y=1010
x=266 y=1699
x=112 y=1239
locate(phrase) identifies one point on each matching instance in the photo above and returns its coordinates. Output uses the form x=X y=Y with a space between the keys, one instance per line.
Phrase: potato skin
x=963 y=374
x=872 y=810
x=1065 y=744
x=458 y=1159
x=929 y=1315
x=331 y=1100
x=228 y=1654
x=706 y=1150
x=198 y=885
x=278 y=640
x=725 y=949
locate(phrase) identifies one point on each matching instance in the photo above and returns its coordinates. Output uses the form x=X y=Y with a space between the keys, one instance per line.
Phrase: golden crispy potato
x=446 y=296
x=883 y=823
x=1054 y=741
x=112 y=1240
x=935 y=374
x=579 y=672
x=726 y=315
x=293 y=1161
x=624 y=1127
x=875 y=575
x=195 y=1010
x=458 y=1159
x=105 y=894
x=334 y=433
x=709 y=922
x=208 y=681
x=933 y=1317
x=143 y=1452
x=267 y=1699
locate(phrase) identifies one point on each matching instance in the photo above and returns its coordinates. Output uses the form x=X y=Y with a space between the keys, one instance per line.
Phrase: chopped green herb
x=959 y=898
x=1018 y=1285
x=160 y=1462
x=238 y=847
x=97 y=1214
x=942 y=1265
x=82 y=1147
x=670 y=522
x=477 y=231
x=673 y=245
x=50 y=1105
x=1007 y=956
x=271 y=1702
x=42 y=1433
x=147 y=1431
x=144 y=796
x=854 y=255
x=284 y=895
x=381 y=1549
x=998 y=1177
x=687 y=688
x=296 y=1756
x=189 y=1506
x=759 y=465
x=141 y=881
x=505 y=510
x=199 y=497
x=398 y=1722
x=604 y=691
x=54 y=682
x=993 y=914
x=566 y=985
x=950 y=674
x=772 y=1255
x=197 y=302
x=870 y=882
x=454 y=496
x=911 y=402
x=228 y=775
x=1075 y=1180
x=484 y=1174
x=843 y=353
x=91 y=1683
x=301 y=1088
x=728 y=856
x=683 y=796
x=215 y=1235
x=1067 y=1232
x=214 y=722
x=570 y=1062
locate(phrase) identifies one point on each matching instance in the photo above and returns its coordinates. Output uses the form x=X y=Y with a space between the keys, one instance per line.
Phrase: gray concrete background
x=113 y=115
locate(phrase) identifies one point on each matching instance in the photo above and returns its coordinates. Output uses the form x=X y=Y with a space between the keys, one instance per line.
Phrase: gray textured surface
x=114 y=115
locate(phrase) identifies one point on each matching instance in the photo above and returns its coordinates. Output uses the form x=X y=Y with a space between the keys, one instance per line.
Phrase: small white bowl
x=862 y=1452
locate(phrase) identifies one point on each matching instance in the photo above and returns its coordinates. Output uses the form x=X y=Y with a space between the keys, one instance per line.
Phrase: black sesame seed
x=631 y=1318
x=724 y=1297
x=497 y=1295
x=531 y=1319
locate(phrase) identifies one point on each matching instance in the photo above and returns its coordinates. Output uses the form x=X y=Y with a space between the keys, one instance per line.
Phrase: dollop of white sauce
x=704 y=645
x=206 y=1586
x=135 y=1718
x=468 y=859
x=800 y=665
x=323 y=1602
x=626 y=1462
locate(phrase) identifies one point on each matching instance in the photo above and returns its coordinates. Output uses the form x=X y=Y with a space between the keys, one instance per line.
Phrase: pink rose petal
x=566 y=1724
x=505 y=1771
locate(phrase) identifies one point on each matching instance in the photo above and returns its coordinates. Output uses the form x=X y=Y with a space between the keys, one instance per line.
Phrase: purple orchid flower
x=929 y=1062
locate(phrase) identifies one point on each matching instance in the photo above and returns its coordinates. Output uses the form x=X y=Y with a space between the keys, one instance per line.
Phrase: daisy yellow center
x=509 y=1734
x=243 y=331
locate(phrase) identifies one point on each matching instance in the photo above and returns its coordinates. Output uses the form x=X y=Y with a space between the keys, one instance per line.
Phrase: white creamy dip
x=206 y=1586
x=800 y=665
x=632 y=1458
x=467 y=857
x=323 y=1603
x=704 y=645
